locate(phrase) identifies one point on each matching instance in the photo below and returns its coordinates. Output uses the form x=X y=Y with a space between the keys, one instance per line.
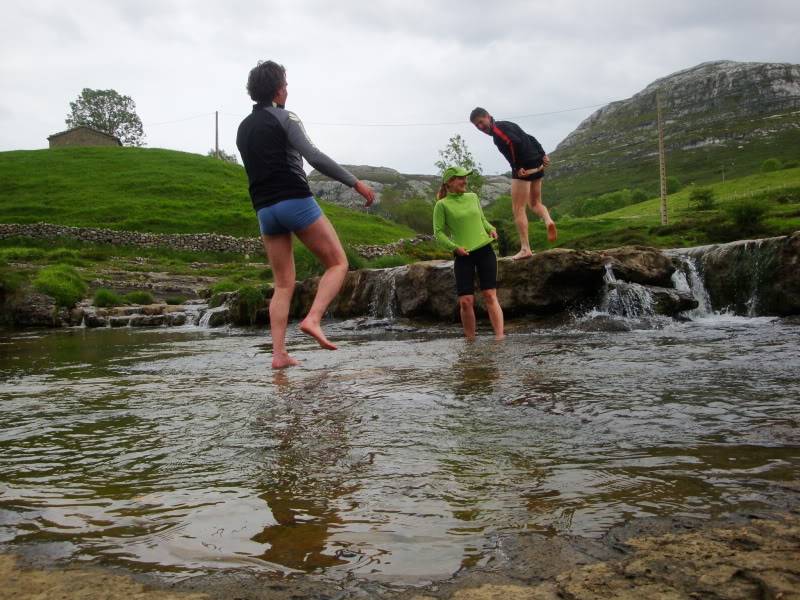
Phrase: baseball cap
x=451 y=172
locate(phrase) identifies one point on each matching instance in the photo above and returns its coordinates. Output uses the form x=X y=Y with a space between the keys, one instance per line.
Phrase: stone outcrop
x=392 y=183
x=547 y=283
x=751 y=277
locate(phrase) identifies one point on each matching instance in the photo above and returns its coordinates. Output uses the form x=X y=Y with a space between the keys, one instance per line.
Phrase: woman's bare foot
x=522 y=254
x=281 y=360
x=552 y=232
x=315 y=331
x=498 y=338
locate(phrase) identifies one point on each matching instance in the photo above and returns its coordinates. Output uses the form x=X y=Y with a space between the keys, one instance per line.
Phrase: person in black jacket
x=528 y=161
x=273 y=143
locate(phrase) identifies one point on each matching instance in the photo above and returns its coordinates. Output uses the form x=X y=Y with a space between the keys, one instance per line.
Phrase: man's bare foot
x=552 y=232
x=315 y=331
x=281 y=360
x=522 y=254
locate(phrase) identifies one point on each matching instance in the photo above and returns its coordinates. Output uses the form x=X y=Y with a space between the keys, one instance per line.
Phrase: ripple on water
x=398 y=457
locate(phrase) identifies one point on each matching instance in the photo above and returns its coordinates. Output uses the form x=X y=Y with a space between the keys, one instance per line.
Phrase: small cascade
x=623 y=299
x=215 y=317
x=687 y=278
x=383 y=304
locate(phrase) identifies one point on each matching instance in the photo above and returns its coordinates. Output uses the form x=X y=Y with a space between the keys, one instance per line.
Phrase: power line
x=178 y=120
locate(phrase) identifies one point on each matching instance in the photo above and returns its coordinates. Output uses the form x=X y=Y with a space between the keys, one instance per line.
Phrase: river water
x=403 y=456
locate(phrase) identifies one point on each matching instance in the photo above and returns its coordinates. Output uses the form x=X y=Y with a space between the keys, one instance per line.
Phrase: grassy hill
x=153 y=190
x=776 y=193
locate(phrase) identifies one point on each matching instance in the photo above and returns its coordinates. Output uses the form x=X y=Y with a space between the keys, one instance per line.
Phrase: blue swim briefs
x=287 y=216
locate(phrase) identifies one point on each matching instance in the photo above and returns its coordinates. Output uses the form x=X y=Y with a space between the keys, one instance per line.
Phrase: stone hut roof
x=92 y=129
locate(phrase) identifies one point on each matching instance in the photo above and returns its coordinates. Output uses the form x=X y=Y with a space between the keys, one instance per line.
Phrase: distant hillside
x=147 y=189
x=718 y=116
x=395 y=185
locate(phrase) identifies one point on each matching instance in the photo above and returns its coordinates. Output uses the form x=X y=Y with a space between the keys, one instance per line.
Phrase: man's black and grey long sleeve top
x=273 y=143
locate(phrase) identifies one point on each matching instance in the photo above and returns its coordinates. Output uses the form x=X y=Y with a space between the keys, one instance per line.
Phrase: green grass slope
x=149 y=189
x=777 y=192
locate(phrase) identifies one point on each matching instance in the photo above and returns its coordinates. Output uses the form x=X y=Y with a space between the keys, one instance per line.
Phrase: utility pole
x=662 y=163
x=216 y=134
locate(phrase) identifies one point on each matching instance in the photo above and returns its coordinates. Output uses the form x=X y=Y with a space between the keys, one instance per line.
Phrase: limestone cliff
x=718 y=116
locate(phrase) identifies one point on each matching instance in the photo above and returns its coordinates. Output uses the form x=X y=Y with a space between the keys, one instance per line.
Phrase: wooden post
x=216 y=134
x=662 y=163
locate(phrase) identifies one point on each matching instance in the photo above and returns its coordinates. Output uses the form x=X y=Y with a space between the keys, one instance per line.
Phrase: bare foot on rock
x=552 y=232
x=315 y=331
x=282 y=360
x=522 y=254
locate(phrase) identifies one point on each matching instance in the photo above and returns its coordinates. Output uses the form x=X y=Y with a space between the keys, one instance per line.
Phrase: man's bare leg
x=281 y=260
x=495 y=313
x=539 y=209
x=466 y=305
x=520 y=194
x=320 y=237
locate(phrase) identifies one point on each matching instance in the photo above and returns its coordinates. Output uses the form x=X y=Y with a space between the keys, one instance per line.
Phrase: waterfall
x=383 y=303
x=687 y=278
x=623 y=299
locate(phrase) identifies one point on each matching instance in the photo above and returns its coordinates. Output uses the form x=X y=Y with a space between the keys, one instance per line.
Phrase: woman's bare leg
x=539 y=209
x=466 y=305
x=281 y=260
x=320 y=237
x=520 y=194
x=495 y=313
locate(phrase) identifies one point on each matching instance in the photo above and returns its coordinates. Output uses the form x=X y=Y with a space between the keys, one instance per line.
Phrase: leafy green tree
x=673 y=185
x=224 y=156
x=702 y=198
x=457 y=154
x=110 y=112
x=771 y=164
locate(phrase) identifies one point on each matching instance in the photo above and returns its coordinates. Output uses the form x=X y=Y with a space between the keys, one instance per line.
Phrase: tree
x=107 y=111
x=231 y=158
x=702 y=198
x=457 y=154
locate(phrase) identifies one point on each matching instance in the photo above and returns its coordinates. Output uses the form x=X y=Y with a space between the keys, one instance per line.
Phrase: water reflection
x=398 y=457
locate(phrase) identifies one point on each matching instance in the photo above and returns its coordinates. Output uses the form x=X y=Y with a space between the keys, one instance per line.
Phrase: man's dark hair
x=478 y=112
x=264 y=81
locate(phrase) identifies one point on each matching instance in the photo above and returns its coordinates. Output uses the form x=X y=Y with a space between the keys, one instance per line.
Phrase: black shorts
x=482 y=260
x=533 y=164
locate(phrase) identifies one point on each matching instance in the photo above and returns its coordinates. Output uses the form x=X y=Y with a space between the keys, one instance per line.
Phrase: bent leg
x=539 y=209
x=320 y=237
x=281 y=260
x=520 y=191
x=466 y=305
x=495 y=313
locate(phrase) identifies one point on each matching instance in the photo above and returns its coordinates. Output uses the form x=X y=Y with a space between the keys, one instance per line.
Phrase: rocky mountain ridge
x=389 y=183
x=720 y=115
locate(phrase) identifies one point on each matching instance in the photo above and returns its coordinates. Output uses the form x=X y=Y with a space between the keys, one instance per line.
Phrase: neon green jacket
x=458 y=222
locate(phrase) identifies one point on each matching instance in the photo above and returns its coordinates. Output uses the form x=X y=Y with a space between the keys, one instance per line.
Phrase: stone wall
x=196 y=242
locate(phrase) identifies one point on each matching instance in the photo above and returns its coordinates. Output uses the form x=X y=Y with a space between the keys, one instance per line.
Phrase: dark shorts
x=482 y=260
x=530 y=165
x=287 y=216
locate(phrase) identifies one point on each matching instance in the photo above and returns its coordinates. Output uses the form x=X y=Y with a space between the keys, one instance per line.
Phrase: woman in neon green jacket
x=459 y=224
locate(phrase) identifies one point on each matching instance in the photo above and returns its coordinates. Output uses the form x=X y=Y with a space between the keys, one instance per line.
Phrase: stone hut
x=82 y=136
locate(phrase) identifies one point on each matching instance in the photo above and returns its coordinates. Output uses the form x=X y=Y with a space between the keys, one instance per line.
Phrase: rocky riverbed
x=744 y=556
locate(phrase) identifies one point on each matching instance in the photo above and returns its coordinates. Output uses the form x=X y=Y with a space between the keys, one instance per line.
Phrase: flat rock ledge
x=547 y=283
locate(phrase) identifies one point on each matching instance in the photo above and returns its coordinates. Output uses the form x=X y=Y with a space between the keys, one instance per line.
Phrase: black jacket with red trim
x=520 y=149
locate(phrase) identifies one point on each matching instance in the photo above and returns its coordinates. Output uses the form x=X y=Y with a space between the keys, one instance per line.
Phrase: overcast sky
x=355 y=63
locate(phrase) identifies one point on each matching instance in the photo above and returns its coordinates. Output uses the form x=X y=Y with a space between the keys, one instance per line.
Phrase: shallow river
x=402 y=456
